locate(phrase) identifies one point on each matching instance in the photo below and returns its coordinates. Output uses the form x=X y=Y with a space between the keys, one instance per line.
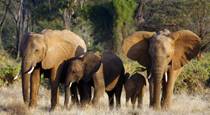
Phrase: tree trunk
x=66 y=19
x=139 y=14
x=2 y=21
x=23 y=21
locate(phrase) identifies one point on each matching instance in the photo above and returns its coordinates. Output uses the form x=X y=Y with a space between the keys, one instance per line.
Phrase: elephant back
x=112 y=67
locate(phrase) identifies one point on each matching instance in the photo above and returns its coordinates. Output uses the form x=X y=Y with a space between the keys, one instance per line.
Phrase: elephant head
x=161 y=51
x=83 y=67
x=47 y=50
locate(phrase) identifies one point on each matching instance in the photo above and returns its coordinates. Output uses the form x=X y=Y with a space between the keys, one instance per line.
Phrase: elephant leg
x=84 y=92
x=99 y=85
x=133 y=101
x=54 y=80
x=151 y=91
x=140 y=97
x=67 y=94
x=164 y=84
x=111 y=99
x=74 y=93
x=167 y=100
x=127 y=99
x=98 y=91
x=25 y=87
x=35 y=83
x=118 y=92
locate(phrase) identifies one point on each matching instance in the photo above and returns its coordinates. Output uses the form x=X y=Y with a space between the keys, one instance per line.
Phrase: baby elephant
x=134 y=87
x=105 y=72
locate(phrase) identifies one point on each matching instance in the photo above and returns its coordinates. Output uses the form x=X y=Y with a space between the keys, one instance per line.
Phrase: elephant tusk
x=149 y=76
x=166 y=76
x=70 y=84
x=16 y=76
x=81 y=56
x=31 y=70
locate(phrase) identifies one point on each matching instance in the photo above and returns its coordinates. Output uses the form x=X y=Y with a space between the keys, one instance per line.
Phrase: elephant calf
x=134 y=87
x=104 y=72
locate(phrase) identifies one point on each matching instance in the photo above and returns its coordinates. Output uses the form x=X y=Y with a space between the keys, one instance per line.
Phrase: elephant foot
x=32 y=105
x=157 y=107
x=139 y=106
x=54 y=107
x=26 y=103
x=66 y=106
x=111 y=107
x=165 y=106
x=94 y=103
x=133 y=106
x=118 y=107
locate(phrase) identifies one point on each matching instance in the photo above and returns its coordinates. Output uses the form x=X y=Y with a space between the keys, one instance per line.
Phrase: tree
x=124 y=20
x=177 y=14
x=6 y=5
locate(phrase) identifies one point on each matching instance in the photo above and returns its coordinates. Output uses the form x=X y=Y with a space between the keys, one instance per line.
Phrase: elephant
x=105 y=72
x=163 y=54
x=80 y=88
x=43 y=53
x=134 y=88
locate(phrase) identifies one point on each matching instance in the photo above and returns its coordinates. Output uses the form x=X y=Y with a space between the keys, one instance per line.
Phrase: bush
x=132 y=66
x=8 y=68
x=194 y=77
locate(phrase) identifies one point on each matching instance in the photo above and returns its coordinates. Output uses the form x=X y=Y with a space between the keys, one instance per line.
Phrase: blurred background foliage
x=103 y=24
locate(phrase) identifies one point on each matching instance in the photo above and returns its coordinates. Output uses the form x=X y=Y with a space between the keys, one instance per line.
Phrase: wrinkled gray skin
x=134 y=88
x=105 y=71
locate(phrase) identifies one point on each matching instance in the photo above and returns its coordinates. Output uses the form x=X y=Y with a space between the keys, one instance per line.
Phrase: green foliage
x=164 y=14
x=8 y=69
x=124 y=20
x=49 y=14
x=194 y=78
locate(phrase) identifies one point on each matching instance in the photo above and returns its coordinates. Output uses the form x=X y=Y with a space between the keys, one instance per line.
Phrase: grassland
x=192 y=94
x=11 y=103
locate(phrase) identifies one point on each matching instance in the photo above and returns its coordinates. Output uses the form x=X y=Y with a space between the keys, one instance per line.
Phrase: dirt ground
x=11 y=103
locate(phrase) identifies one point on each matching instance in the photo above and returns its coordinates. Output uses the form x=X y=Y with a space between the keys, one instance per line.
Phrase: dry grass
x=11 y=103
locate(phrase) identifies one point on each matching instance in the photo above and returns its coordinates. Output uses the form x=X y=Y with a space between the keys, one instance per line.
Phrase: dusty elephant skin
x=134 y=88
x=43 y=53
x=163 y=54
x=105 y=72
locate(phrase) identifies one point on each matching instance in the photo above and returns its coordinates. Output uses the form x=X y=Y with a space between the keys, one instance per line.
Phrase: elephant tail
x=125 y=77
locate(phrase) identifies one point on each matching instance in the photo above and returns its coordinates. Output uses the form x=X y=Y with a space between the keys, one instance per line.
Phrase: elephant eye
x=73 y=71
x=36 y=50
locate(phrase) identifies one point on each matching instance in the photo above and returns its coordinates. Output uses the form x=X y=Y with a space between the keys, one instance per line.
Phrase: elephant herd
x=62 y=56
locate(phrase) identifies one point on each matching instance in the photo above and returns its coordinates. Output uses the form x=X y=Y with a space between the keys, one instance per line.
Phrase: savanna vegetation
x=103 y=24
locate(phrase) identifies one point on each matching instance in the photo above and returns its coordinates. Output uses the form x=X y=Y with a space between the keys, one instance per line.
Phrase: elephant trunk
x=157 y=74
x=27 y=68
x=25 y=83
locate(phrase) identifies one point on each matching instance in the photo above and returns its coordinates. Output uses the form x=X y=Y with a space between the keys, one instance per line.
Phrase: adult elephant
x=43 y=53
x=106 y=72
x=163 y=54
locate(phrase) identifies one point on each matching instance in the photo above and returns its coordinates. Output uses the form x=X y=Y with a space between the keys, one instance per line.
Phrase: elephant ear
x=136 y=47
x=92 y=63
x=187 y=46
x=59 y=48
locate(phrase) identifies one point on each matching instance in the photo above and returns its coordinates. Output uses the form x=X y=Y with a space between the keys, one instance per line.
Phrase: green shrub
x=194 y=77
x=8 y=68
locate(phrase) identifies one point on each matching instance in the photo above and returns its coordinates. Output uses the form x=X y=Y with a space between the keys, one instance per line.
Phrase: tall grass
x=12 y=103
